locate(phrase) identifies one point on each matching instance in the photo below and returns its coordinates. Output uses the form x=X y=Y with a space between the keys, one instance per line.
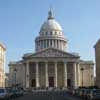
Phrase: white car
x=4 y=94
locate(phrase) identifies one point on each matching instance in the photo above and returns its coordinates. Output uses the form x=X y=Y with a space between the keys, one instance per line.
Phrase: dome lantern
x=50 y=14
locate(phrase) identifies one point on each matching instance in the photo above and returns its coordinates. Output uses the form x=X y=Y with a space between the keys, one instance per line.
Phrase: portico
x=51 y=71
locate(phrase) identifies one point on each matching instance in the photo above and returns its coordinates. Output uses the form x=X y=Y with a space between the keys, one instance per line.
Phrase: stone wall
x=88 y=73
x=97 y=54
x=2 y=65
x=17 y=74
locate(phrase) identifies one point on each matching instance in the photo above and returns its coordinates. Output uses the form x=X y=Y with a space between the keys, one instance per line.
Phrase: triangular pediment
x=51 y=52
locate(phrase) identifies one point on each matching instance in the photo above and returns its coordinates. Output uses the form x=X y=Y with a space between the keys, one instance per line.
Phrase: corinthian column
x=49 y=43
x=75 y=75
x=27 y=75
x=59 y=44
x=46 y=74
x=56 y=43
x=78 y=65
x=65 y=74
x=53 y=43
x=46 y=43
x=55 y=74
x=37 y=75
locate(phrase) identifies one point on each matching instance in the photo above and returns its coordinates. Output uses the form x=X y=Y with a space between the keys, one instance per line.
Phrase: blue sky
x=20 y=22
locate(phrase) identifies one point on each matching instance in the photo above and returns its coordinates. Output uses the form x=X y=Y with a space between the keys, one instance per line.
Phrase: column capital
x=45 y=61
x=36 y=61
x=77 y=62
x=55 y=62
x=65 y=62
x=27 y=62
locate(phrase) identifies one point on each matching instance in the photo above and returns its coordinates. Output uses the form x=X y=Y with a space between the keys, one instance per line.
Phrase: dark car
x=4 y=94
x=17 y=92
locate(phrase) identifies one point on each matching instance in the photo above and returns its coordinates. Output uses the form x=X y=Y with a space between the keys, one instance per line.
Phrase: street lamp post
x=91 y=80
x=82 y=69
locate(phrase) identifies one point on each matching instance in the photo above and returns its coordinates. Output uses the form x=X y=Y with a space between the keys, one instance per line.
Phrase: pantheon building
x=51 y=65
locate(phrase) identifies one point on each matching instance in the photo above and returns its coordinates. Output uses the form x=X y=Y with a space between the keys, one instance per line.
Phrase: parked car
x=94 y=94
x=12 y=93
x=17 y=92
x=4 y=94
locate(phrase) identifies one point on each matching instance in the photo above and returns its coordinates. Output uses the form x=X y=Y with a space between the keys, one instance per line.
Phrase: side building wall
x=97 y=59
x=86 y=73
x=2 y=65
x=17 y=74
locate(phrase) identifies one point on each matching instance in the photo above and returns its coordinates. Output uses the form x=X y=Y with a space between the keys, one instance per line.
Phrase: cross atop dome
x=50 y=14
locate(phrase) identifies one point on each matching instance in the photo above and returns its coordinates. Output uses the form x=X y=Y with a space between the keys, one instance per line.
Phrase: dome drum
x=50 y=42
x=53 y=38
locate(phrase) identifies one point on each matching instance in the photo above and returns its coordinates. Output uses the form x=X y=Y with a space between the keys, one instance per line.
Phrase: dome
x=50 y=35
x=51 y=24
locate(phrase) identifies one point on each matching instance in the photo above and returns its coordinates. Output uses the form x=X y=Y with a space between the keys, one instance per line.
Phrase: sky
x=20 y=22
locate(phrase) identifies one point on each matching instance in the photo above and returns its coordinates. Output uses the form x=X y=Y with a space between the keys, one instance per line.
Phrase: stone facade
x=16 y=74
x=51 y=65
x=97 y=59
x=88 y=73
x=2 y=65
x=7 y=82
x=37 y=70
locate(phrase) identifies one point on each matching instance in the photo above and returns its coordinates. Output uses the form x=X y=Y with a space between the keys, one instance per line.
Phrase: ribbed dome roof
x=51 y=24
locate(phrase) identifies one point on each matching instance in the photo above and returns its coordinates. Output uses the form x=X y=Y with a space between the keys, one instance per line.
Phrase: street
x=32 y=96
